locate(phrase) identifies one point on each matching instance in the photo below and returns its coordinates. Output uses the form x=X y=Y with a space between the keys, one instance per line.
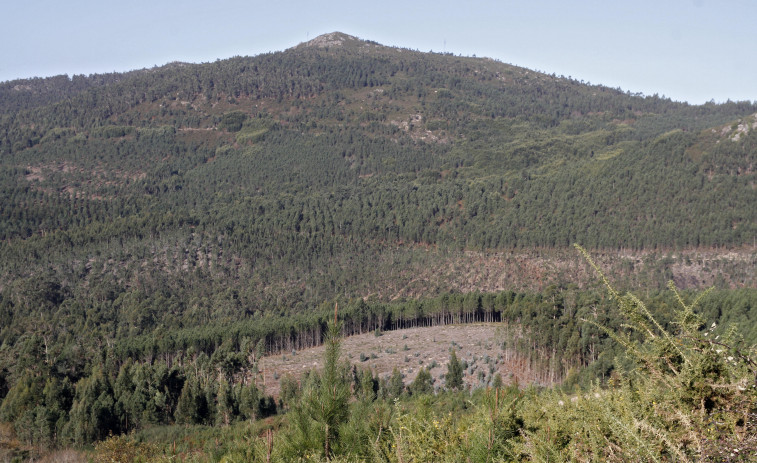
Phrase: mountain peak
x=331 y=39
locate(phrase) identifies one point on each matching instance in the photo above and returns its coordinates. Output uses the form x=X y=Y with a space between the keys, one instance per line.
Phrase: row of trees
x=680 y=394
x=58 y=390
x=49 y=410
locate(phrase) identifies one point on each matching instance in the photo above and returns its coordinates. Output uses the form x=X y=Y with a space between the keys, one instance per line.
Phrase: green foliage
x=232 y=121
x=249 y=402
x=366 y=387
x=322 y=409
x=93 y=412
x=421 y=436
x=21 y=397
x=225 y=403
x=681 y=391
x=396 y=386
x=454 y=376
x=497 y=382
x=422 y=384
x=664 y=407
x=192 y=407
x=113 y=131
x=290 y=391
x=120 y=449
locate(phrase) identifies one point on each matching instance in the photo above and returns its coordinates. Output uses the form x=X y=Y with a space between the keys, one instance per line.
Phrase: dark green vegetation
x=160 y=229
x=684 y=394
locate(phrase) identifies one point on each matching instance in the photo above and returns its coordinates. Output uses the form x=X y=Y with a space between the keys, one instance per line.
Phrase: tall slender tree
x=454 y=376
x=324 y=404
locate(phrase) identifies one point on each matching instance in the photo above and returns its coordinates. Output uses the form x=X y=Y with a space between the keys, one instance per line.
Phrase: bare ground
x=480 y=345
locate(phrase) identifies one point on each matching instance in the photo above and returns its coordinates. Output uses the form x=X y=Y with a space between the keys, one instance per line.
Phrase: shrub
x=685 y=396
x=121 y=449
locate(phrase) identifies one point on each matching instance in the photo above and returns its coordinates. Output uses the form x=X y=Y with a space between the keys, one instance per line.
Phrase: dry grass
x=64 y=456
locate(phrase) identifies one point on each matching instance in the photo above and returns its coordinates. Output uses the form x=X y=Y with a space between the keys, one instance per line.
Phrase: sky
x=687 y=50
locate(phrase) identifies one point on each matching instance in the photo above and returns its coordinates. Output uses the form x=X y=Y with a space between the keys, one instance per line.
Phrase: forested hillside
x=175 y=219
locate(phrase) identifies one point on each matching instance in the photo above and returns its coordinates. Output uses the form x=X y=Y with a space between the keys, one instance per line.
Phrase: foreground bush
x=686 y=396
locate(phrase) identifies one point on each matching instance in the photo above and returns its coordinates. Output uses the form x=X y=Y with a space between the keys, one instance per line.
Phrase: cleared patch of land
x=481 y=346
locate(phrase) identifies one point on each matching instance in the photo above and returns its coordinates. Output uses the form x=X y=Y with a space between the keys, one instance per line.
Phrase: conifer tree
x=331 y=408
x=396 y=386
x=289 y=390
x=192 y=407
x=324 y=403
x=225 y=401
x=423 y=383
x=367 y=386
x=249 y=401
x=92 y=414
x=454 y=375
x=497 y=383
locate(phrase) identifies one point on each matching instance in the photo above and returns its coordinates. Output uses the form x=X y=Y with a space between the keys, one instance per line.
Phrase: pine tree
x=225 y=403
x=324 y=403
x=396 y=386
x=497 y=383
x=192 y=406
x=423 y=383
x=367 y=386
x=454 y=375
x=186 y=412
x=249 y=401
x=289 y=390
x=331 y=408
x=93 y=412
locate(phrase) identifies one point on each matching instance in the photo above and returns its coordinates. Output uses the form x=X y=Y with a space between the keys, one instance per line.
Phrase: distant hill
x=344 y=167
x=309 y=169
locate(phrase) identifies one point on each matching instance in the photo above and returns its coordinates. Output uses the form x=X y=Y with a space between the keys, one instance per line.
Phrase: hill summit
x=333 y=39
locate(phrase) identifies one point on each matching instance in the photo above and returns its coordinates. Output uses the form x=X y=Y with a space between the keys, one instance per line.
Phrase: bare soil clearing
x=479 y=345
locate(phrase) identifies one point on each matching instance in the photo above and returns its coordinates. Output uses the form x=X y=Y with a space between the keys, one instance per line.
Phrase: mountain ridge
x=344 y=154
x=324 y=41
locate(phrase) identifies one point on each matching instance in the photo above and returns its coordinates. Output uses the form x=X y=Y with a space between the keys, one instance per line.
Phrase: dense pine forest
x=163 y=229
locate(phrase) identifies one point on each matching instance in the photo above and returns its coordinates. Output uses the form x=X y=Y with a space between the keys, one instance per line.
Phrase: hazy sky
x=688 y=50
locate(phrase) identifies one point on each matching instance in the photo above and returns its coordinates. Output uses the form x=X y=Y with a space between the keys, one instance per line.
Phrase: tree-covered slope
x=499 y=155
x=343 y=167
x=317 y=161
x=201 y=204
